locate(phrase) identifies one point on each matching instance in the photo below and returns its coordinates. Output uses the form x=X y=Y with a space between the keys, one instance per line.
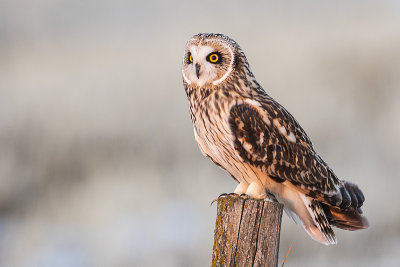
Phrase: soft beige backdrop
x=98 y=164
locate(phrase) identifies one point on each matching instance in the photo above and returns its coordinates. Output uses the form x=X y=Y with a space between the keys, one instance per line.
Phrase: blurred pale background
x=98 y=164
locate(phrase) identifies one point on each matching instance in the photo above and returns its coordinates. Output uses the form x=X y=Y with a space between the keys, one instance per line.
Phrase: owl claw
x=234 y=195
x=269 y=197
x=215 y=199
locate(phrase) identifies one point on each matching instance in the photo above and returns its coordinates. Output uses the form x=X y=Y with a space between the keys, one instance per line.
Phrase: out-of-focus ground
x=98 y=164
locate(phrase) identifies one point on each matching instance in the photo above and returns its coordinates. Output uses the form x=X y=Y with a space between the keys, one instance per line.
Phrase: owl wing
x=268 y=137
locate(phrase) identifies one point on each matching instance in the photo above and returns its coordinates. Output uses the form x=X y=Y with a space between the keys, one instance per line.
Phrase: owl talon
x=234 y=195
x=215 y=199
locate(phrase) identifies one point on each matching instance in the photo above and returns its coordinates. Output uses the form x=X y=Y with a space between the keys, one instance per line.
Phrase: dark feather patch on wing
x=283 y=153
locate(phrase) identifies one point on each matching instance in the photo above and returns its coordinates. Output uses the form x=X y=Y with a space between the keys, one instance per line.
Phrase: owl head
x=211 y=59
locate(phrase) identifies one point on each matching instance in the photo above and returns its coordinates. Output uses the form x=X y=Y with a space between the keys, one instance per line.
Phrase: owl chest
x=213 y=134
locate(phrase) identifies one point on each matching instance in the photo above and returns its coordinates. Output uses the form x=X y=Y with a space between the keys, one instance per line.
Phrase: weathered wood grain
x=246 y=232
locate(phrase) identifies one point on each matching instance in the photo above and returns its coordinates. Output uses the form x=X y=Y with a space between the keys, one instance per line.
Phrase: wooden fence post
x=246 y=232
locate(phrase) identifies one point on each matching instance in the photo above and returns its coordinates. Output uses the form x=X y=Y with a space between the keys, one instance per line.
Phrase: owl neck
x=245 y=88
x=243 y=82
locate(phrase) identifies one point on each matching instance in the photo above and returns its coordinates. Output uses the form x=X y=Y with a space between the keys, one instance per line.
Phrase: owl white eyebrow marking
x=229 y=69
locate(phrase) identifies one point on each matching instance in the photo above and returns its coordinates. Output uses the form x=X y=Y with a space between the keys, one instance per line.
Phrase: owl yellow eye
x=214 y=57
x=190 y=58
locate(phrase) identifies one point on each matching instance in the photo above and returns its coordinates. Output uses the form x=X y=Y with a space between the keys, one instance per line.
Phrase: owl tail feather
x=348 y=219
x=320 y=228
x=309 y=213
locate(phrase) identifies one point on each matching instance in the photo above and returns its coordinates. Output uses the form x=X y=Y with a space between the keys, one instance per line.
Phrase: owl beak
x=198 y=70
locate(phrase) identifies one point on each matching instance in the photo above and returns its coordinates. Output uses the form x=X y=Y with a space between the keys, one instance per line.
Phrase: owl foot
x=228 y=195
x=244 y=196
x=234 y=195
x=254 y=190
x=241 y=188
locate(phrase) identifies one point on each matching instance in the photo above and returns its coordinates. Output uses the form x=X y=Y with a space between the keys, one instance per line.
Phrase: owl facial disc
x=207 y=63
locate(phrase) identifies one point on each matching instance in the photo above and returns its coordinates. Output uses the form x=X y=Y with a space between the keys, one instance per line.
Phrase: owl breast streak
x=213 y=134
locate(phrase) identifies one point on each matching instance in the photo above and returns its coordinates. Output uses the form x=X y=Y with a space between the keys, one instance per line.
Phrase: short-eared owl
x=259 y=143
